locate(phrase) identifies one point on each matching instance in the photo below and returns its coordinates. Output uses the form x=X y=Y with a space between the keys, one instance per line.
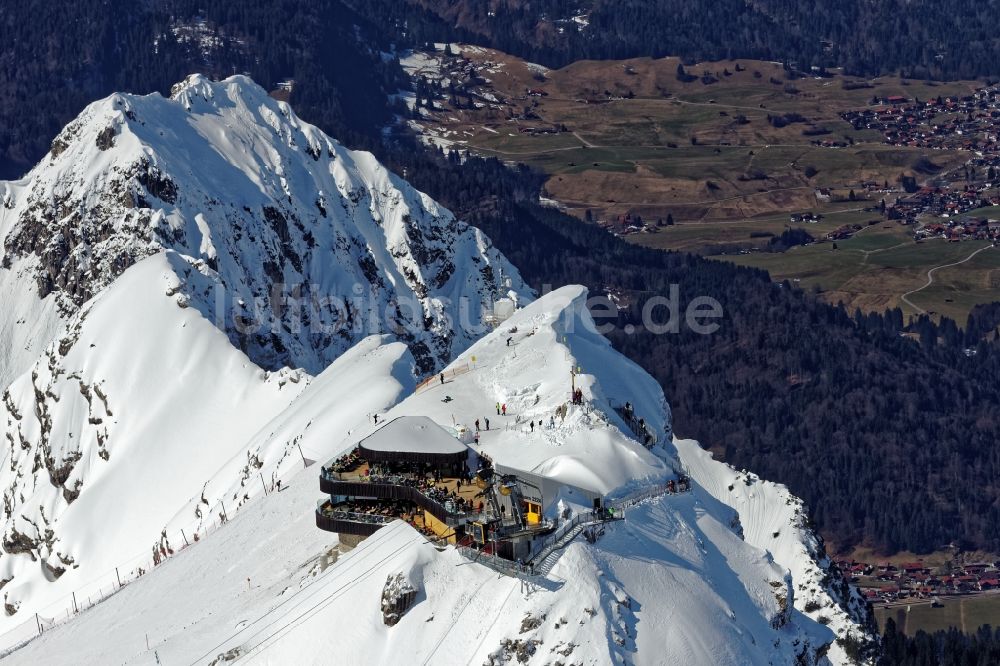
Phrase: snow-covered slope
x=367 y=379
x=665 y=587
x=591 y=447
x=312 y=246
x=773 y=519
x=131 y=430
x=123 y=417
x=679 y=581
x=163 y=268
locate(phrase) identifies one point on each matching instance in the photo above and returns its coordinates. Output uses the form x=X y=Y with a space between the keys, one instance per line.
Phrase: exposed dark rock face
x=274 y=256
x=397 y=598
x=15 y=542
x=106 y=139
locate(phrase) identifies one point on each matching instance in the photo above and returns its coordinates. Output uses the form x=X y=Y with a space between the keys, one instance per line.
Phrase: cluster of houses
x=844 y=232
x=807 y=216
x=940 y=202
x=886 y=582
x=972 y=228
x=970 y=122
x=829 y=143
x=627 y=224
x=539 y=131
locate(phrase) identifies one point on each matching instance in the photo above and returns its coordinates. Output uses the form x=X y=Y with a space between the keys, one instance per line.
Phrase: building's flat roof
x=412 y=438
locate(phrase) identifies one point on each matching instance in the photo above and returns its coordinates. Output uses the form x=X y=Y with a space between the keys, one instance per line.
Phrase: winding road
x=930 y=279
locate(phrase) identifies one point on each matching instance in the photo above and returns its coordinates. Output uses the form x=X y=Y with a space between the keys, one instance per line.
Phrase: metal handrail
x=353 y=516
x=494 y=561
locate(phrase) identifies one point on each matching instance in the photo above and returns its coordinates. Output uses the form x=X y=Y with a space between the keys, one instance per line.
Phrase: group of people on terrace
x=366 y=511
x=345 y=463
x=378 y=513
x=432 y=482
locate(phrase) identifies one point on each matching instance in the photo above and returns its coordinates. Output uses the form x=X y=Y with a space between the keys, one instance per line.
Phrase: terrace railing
x=400 y=488
x=350 y=522
x=495 y=562
x=356 y=516
x=642 y=430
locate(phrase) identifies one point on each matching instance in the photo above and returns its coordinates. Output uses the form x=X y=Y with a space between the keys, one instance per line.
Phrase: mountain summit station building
x=412 y=469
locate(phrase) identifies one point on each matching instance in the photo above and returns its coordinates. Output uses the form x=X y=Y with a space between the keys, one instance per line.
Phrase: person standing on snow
x=504 y=409
x=477 y=425
x=487 y=422
x=442 y=378
x=498 y=409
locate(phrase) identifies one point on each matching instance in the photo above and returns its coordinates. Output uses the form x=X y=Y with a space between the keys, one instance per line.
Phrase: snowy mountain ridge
x=164 y=268
x=695 y=578
x=150 y=388
x=313 y=246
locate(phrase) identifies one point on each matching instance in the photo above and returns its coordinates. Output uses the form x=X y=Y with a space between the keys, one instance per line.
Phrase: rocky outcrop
x=398 y=596
x=309 y=246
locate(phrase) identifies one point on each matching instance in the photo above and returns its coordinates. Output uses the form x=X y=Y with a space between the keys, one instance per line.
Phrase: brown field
x=634 y=139
x=964 y=613
x=637 y=154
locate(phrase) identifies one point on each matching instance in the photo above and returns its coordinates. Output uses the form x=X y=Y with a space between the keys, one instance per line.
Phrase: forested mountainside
x=922 y=38
x=941 y=647
x=67 y=54
x=890 y=441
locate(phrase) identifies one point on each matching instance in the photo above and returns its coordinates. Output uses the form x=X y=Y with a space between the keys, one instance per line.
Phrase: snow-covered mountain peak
x=159 y=264
x=529 y=368
x=315 y=246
